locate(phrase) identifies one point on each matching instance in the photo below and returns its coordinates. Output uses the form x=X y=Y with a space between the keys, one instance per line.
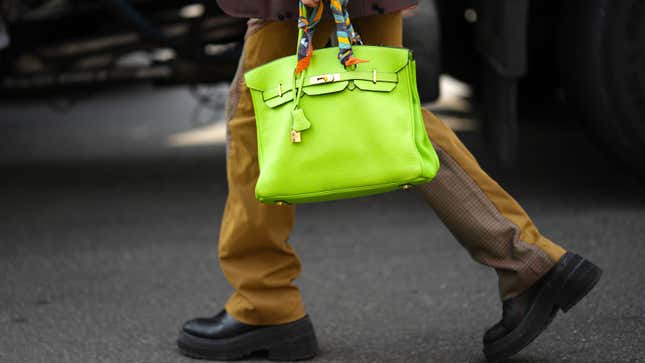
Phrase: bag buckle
x=324 y=78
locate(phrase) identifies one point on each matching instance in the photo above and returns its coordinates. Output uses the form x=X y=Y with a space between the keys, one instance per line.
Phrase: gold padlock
x=296 y=136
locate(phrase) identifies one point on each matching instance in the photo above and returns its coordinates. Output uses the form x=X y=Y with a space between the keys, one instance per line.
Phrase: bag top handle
x=344 y=32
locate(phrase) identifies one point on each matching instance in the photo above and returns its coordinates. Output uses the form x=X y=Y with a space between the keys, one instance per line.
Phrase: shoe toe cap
x=195 y=327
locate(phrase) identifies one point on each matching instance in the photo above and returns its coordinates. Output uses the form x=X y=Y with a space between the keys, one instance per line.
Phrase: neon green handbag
x=335 y=132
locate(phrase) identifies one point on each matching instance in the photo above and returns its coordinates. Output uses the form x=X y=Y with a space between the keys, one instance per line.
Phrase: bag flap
x=278 y=100
x=383 y=59
x=326 y=88
x=326 y=75
x=375 y=86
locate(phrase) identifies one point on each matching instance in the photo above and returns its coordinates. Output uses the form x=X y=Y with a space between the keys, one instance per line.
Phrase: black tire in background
x=602 y=65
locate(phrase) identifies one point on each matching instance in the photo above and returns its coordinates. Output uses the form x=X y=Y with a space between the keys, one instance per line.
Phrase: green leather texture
x=362 y=131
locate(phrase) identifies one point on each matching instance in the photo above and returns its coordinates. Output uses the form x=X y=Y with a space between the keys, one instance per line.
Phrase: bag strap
x=345 y=33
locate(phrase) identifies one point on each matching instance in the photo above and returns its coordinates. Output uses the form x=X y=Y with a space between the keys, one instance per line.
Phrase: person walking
x=537 y=277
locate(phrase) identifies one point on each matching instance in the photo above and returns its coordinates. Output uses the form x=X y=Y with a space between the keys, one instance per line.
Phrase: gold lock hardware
x=324 y=78
x=296 y=137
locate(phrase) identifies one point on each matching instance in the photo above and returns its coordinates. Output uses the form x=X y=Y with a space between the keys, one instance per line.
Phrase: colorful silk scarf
x=344 y=31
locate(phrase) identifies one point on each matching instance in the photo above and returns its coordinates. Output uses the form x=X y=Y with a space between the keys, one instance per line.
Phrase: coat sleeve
x=288 y=9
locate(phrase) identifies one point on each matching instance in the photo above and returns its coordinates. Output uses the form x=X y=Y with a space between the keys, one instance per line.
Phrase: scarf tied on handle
x=344 y=31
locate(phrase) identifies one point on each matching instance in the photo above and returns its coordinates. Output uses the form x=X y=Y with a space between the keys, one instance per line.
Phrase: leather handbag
x=338 y=129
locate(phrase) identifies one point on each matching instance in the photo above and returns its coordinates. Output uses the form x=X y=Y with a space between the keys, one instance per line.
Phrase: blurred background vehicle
x=516 y=55
x=57 y=45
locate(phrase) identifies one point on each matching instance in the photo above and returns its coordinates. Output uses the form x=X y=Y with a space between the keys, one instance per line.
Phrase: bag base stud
x=406 y=186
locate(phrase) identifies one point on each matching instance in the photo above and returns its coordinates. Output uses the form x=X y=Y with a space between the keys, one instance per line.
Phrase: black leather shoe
x=526 y=316
x=224 y=338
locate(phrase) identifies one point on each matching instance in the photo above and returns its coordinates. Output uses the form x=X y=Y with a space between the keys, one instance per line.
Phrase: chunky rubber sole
x=287 y=342
x=570 y=281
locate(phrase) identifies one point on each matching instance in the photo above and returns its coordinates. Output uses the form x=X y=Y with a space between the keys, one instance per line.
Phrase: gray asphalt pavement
x=103 y=254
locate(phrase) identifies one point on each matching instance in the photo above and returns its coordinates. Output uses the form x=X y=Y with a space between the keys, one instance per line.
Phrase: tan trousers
x=254 y=252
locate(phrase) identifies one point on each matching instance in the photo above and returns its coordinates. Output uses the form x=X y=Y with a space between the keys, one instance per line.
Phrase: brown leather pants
x=254 y=252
